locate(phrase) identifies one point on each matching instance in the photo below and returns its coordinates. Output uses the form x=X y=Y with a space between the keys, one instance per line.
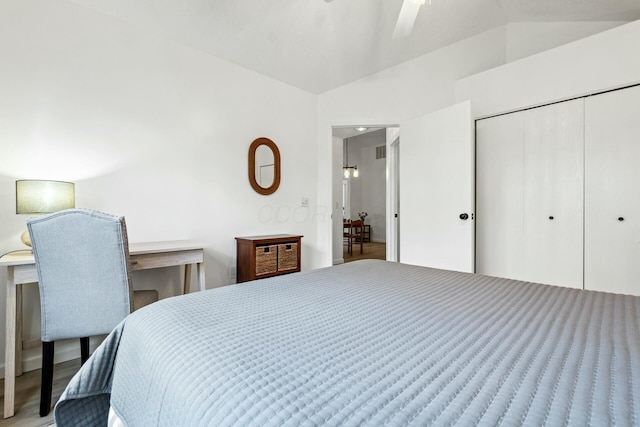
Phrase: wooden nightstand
x=258 y=257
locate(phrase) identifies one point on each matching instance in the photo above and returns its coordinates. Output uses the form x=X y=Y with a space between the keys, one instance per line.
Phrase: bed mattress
x=368 y=343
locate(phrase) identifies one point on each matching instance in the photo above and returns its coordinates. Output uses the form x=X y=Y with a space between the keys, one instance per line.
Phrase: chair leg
x=84 y=349
x=47 y=378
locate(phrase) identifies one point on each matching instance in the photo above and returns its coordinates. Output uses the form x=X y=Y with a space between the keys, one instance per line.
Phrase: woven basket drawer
x=266 y=259
x=287 y=256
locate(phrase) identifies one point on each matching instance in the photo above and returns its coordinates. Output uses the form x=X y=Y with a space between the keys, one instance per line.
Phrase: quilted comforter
x=368 y=343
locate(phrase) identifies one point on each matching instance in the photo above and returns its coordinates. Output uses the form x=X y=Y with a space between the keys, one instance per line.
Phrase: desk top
x=168 y=246
x=26 y=256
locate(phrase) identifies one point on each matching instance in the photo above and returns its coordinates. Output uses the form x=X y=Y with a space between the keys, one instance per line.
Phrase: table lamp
x=41 y=197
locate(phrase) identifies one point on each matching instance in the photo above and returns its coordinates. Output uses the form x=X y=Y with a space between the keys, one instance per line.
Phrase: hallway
x=373 y=250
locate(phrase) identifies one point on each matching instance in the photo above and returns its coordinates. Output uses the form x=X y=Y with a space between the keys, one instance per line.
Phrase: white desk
x=21 y=269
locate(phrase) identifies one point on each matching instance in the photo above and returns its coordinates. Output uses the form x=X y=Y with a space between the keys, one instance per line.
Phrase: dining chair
x=346 y=229
x=82 y=260
x=356 y=232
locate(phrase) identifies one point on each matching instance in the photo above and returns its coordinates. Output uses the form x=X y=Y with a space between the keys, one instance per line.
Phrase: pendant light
x=346 y=168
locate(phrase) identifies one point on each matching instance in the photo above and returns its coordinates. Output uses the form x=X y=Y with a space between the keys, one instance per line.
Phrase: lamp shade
x=39 y=197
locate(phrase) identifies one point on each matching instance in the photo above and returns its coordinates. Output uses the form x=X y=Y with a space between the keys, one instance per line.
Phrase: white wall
x=410 y=89
x=159 y=132
x=431 y=82
x=148 y=129
x=603 y=61
x=528 y=38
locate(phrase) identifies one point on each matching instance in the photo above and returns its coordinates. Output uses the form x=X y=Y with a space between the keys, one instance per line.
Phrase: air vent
x=381 y=152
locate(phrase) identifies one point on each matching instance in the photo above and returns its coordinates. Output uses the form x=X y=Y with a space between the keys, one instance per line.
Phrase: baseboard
x=378 y=241
x=338 y=261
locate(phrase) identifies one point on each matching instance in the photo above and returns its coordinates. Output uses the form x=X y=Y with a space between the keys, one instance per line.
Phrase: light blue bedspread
x=369 y=343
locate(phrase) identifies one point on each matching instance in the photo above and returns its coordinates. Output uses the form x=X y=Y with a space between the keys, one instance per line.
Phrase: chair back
x=357 y=227
x=82 y=260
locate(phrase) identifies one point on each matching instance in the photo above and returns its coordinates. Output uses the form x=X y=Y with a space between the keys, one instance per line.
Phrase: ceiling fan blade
x=407 y=17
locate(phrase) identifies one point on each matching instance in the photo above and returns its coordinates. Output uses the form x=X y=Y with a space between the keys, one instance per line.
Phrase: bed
x=368 y=343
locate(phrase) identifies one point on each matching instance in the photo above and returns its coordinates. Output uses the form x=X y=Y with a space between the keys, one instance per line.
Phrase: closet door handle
x=551 y=217
x=620 y=219
x=464 y=216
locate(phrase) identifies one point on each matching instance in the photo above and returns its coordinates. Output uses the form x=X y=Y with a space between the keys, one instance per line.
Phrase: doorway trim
x=393 y=194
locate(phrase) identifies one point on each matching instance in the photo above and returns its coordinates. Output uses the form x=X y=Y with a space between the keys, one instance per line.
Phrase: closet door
x=553 y=194
x=612 y=192
x=499 y=195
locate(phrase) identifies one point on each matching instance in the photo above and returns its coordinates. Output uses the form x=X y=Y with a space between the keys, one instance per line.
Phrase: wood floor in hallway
x=373 y=250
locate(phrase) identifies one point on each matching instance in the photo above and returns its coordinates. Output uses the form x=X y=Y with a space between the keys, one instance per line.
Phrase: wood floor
x=27 y=406
x=371 y=250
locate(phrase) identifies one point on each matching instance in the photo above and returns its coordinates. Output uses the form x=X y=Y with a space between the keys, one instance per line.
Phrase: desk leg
x=201 y=284
x=187 y=278
x=19 y=337
x=10 y=346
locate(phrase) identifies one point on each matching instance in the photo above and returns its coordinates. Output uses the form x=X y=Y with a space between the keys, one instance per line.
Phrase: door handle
x=464 y=216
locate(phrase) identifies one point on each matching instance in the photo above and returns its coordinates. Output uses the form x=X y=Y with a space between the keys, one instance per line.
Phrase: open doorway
x=360 y=193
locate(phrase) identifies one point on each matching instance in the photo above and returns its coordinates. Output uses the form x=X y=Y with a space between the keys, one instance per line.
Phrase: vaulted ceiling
x=318 y=45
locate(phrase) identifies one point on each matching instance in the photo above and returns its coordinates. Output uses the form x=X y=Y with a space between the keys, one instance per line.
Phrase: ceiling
x=318 y=45
x=350 y=132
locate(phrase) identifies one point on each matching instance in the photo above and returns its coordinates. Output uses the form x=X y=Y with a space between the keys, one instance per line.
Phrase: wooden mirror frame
x=252 y=166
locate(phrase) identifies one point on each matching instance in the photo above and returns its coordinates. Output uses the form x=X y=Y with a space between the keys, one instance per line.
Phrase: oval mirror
x=264 y=166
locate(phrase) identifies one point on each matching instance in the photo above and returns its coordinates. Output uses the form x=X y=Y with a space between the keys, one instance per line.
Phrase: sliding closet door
x=529 y=195
x=553 y=194
x=612 y=197
x=499 y=195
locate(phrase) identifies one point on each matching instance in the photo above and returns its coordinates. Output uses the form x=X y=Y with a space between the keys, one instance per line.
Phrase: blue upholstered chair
x=82 y=259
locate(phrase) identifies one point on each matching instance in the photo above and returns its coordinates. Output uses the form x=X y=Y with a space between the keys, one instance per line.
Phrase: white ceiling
x=349 y=132
x=318 y=45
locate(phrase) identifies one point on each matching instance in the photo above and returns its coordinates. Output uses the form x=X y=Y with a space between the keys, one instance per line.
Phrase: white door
x=499 y=195
x=612 y=192
x=530 y=195
x=553 y=194
x=437 y=182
